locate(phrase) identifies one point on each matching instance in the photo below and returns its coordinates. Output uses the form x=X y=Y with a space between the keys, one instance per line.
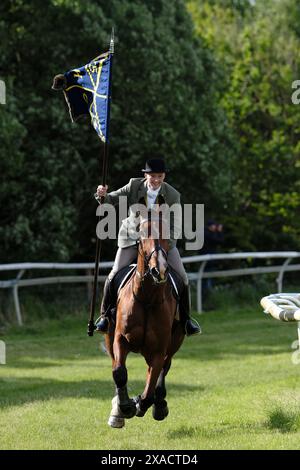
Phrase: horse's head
x=154 y=248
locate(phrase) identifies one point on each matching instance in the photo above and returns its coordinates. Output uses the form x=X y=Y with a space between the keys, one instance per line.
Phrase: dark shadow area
x=27 y=390
x=216 y=343
x=226 y=334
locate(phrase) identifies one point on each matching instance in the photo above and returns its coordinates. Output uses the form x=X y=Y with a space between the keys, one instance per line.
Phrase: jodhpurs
x=128 y=255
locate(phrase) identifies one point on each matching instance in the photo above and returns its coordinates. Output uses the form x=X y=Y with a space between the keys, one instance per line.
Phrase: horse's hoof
x=142 y=406
x=160 y=412
x=128 y=410
x=116 y=419
x=139 y=413
x=116 y=422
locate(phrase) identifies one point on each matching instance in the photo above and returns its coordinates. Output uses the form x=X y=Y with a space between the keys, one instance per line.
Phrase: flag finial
x=112 y=41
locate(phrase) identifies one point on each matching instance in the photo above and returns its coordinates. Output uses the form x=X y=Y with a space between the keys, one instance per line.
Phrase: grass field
x=234 y=387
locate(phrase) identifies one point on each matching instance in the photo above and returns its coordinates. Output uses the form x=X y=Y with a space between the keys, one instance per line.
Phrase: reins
x=142 y=277
x=147 y=259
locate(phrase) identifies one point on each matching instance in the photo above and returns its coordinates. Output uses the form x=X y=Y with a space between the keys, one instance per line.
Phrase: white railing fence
x=201 y=260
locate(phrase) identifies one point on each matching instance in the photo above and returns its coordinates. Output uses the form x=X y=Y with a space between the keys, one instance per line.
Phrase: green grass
x=234 y=387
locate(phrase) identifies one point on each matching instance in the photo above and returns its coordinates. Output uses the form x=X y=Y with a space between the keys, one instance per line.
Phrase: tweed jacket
x=136 y=192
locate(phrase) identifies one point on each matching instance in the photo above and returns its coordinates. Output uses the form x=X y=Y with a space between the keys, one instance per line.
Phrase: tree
x=165 y=102
x=260 y=54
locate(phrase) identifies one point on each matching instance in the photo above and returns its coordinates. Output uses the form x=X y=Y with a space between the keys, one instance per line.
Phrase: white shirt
x=151 y=196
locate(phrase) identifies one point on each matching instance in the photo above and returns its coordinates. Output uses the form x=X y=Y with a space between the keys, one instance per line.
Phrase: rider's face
x=154 y=180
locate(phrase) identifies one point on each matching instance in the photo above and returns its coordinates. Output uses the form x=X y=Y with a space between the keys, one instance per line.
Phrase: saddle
x=122 y=277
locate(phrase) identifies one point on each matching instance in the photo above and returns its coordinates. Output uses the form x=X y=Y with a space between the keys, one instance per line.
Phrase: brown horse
x=145 y=324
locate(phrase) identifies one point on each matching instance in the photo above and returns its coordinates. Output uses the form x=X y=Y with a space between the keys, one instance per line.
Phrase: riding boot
x=107 y=304
x=191 y=326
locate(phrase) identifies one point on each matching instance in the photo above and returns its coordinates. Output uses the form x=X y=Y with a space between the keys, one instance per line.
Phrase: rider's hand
x=102 y=190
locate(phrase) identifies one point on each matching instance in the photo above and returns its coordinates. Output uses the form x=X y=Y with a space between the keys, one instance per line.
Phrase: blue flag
x=87 y=91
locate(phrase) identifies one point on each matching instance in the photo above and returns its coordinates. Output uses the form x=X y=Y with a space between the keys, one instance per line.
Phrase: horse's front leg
x=144 y=401
x=160 y=407
x=116 y=418
x=121 y=350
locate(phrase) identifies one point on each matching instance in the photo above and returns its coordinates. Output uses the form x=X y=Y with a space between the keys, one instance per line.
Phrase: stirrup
x=102 y=325
x=192 y=327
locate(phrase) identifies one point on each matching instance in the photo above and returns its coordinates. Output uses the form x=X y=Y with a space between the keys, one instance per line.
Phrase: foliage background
x=206 y=84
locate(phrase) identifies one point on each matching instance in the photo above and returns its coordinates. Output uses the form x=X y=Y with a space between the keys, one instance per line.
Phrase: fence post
x=199 y=287
x=16 y=298
x=279 y=279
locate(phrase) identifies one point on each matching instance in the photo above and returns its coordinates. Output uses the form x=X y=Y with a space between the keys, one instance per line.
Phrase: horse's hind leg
x=144 y=401
x=121 y=350
x=160 y=407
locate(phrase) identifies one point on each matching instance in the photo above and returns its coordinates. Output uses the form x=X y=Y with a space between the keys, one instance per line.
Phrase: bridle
x=147 y=259
x=147 y=272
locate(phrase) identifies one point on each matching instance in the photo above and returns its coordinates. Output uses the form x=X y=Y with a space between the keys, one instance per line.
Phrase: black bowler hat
x=155 y=165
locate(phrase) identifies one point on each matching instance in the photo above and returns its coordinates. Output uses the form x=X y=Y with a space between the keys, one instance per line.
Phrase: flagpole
x=91 y=324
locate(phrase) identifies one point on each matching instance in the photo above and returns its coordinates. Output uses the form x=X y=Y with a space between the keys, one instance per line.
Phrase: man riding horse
x=150 y=189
